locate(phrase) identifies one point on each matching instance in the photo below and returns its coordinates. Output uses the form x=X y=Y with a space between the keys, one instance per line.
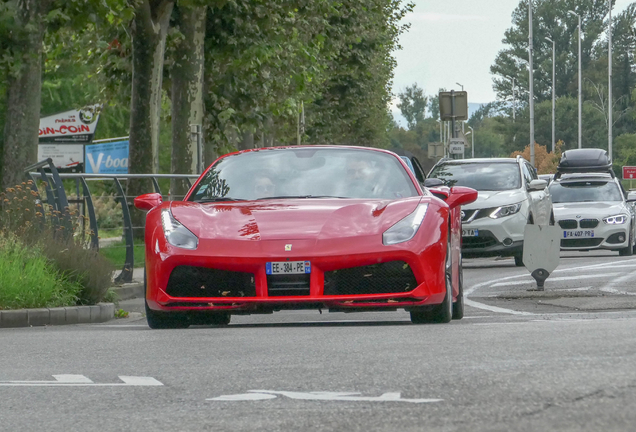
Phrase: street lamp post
x=531 y=82
x=472 y=137
x=553 y=91
x=610 y=108
x=462 y=86
x=580 y=87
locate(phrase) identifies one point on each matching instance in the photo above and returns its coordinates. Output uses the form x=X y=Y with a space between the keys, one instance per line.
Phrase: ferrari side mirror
x=460 y=195
x=148 y=201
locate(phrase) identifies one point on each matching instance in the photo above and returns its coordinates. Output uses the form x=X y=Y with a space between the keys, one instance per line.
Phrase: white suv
x=510 y=196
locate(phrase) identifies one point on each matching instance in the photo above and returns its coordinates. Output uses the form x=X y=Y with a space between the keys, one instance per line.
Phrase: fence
x=56 y=197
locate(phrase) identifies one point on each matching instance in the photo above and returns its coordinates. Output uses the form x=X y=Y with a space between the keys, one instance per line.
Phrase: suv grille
x=484 y=240
x=190 y=281
x=386 y=278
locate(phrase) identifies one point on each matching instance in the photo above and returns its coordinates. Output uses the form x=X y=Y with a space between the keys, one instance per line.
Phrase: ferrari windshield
x=305 y=173
x=585 y=191
x=482 y=176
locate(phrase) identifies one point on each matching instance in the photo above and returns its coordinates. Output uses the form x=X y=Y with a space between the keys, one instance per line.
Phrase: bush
x=57 y=238
x=28 y=280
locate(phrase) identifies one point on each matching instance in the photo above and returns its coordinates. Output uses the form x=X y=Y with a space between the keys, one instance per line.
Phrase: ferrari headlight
x=616 y=219
x=177 y=234
x=405 y=229
x=504 y=211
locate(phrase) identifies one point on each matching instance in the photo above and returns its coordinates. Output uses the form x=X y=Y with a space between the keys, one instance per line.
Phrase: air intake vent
x=385 y=278
x=190 y=281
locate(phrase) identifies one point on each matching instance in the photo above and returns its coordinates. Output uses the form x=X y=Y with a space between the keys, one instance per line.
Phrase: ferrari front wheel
x=163 y=320
x=442 y=313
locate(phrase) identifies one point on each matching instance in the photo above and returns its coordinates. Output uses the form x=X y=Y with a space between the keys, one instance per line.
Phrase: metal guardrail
x=57 y=199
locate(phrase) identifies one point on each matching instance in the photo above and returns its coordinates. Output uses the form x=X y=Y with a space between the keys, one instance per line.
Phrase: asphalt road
x=562 y=359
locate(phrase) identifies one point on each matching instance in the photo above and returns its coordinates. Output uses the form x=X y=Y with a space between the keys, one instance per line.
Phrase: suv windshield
x=482 y=176
x=585 y=191
x=305 y=173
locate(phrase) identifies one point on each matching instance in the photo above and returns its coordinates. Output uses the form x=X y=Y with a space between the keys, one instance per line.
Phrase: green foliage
x=412 y=105
x=116 y=253
x=56 y=238
x=29 y=280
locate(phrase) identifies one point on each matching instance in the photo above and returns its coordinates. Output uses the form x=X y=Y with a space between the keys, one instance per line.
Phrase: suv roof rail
x=587 y=160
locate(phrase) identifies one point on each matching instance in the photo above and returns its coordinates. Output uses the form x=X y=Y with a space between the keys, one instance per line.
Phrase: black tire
x=163 y=320
x=442 y=313
x=458 y=306
x=519 y=260
x=629 y=250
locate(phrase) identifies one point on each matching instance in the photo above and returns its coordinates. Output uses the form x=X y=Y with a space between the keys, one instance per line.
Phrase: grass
x=28 y=280
x=116 y=253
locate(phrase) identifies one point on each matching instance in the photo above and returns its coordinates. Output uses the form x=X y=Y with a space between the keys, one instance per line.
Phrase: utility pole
x=580 y=86
x=610 y=108
x=530 y=50
x=553 y=93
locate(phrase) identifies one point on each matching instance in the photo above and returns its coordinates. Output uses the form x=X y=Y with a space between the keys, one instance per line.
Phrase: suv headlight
x=177 y=234
x=616 y=219
x=504 y=211
x=405 y=229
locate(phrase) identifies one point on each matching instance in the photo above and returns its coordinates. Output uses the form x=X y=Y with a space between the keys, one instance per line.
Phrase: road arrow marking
x=82 y=381
x=319 y=396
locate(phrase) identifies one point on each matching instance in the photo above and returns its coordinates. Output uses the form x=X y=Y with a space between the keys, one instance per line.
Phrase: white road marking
x=561 y=278
x=82 y=381
x=318 y=396
x=478 y=305
x=610 y=286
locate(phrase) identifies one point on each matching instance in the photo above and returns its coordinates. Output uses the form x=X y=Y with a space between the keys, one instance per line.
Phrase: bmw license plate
x=470 y=233
x=288 y=267
x=578 y=234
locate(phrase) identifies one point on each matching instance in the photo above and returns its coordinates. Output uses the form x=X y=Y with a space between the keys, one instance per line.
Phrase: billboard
x=66 y=157
x=74 y=126
x=107 y=158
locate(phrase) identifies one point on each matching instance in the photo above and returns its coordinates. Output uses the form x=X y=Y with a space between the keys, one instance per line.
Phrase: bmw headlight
x=616 y=219
x=504 y=211
x=405 y=229
x=177 y=234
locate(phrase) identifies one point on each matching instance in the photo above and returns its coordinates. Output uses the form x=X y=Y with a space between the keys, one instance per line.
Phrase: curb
x=99 y=313
x=129 y=291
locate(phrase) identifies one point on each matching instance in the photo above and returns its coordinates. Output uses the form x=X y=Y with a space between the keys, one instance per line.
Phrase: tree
x=187 y=91
x=23 y=71
x=551 y=19
x=412 y=105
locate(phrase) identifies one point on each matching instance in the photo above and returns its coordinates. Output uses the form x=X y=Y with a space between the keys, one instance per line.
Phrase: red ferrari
x=304 y=227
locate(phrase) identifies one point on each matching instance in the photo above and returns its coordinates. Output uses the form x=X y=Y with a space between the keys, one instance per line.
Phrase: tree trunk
x=22 y=122
x=149 y=30
x=247 y=142
x=187 y=95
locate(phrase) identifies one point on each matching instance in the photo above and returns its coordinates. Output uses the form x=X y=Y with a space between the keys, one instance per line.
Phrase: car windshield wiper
x=299 y=197
x=218 y=199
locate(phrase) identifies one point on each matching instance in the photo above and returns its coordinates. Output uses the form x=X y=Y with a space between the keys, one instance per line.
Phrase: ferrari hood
x=587 y=210
x=291 y=218
x=489 y=199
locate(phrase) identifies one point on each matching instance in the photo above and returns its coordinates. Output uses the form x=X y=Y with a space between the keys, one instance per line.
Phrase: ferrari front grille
x=190 y=281
x=385 y=278
x=568 y=224
x=288 y=285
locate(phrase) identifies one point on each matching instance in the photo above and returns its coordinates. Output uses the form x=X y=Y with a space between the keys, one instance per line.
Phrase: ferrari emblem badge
x=288 y=247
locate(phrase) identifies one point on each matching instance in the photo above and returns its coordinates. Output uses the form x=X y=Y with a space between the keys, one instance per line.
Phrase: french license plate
x=578 y=234
x=470 y=233
x=288 y=267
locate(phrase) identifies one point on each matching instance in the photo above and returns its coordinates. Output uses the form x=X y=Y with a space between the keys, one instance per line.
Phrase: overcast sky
x=456 y=41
